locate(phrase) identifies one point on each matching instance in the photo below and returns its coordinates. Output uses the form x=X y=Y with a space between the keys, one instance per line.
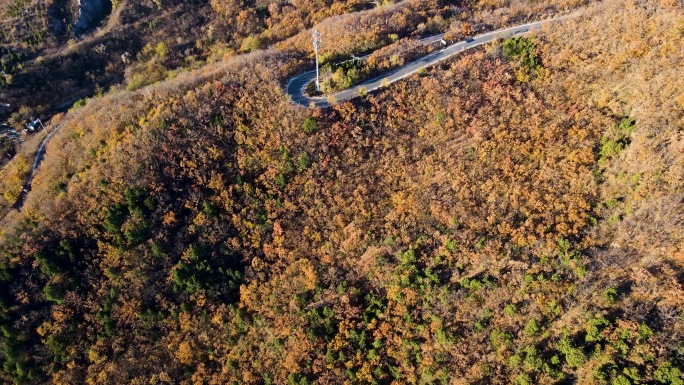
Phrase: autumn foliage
x=487 y=221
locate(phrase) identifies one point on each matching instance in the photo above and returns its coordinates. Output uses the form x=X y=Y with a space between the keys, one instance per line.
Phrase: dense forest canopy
x=511 y=215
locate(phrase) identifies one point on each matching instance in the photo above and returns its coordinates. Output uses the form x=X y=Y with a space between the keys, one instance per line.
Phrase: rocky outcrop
x=90 y=12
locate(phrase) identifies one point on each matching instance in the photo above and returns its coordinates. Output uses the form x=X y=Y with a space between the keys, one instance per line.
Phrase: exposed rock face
x=90 y=12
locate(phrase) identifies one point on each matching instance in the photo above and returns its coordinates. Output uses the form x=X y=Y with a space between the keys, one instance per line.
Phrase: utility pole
x=317 y=46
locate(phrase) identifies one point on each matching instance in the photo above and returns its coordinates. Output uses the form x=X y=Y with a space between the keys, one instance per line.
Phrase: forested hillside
x=512 y=215
x=53 y=57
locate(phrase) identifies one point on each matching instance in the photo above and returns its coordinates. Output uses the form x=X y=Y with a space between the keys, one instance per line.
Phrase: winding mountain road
x=297 y=85
x=38 y=158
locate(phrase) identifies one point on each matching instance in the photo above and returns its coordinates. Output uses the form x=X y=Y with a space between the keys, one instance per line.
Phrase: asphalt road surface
x=296 y=86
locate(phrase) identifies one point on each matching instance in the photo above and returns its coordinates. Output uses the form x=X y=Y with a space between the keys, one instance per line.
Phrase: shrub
x=196 y=273
x=139 y=200
x=136 y=233
x=115 y=217
x=621 y=347
x=565 y=245
x=78 y=104
x=499 y=338
x=479 y=244
x=54 y=293
x=280 y=181
x=611 y=203
x=56 y=344
x=339 y=76
x=297 y=379
x=48 y=266
x=523 y=49
x=667 y=374
x=532 y=359
x=510 y=310
x=209 y=209
x=158 y=249
x=610 y=295
x=250 y=44
x=514 y=361
x=596 y=325
x=190 y=278
x=573 y=356
x=145 y=73
x=310 y=124
x=605 y=371
x=523 y=379
x=451 y=245
x=303 y=161
x=532 y=328
x=621 y=380
x=610 y=148
x=632 y=373
x=628 y=125
x=644 y=332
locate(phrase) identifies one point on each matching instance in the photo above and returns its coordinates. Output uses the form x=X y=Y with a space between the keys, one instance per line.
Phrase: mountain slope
x=511 y=215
